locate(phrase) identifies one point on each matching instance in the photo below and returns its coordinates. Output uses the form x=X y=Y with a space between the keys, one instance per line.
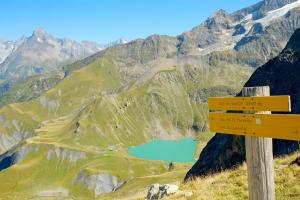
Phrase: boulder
x=157 y=191
x=100 y=183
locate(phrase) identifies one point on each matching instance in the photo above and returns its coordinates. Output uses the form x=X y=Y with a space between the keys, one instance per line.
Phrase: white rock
x=100 y=183
x=157 y=191
x=153 y=192
x=171 y=189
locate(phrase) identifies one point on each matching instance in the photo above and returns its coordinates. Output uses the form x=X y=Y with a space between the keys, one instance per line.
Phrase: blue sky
x=107 y=20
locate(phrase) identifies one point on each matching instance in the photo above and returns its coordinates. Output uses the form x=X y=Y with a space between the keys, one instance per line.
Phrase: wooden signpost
x=273 y=103
x=259 y=126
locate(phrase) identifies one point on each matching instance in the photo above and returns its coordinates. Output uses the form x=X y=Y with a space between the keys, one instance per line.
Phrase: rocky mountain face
x=247 y=39
x=238 y=38
x=260 y=31
x=282 y=75
x=261 y=9
x=42 y=53
x=30 y=88
x=6 y=48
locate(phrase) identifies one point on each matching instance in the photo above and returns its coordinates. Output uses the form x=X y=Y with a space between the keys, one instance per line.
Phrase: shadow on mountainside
x=282 y=75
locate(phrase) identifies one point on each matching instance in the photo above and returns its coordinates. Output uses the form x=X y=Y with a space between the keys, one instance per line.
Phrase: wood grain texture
x=280 y=126
x=271 y=103
x=259 y=157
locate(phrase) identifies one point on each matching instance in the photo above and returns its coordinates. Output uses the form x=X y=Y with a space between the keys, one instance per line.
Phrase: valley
x=94 y=138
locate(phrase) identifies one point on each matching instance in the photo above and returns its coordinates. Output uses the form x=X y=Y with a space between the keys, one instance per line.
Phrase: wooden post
x=259 y=157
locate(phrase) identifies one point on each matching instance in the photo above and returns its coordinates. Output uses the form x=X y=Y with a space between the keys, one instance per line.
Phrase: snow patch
x=247 y=17
x=274 y=14
x=39 y=40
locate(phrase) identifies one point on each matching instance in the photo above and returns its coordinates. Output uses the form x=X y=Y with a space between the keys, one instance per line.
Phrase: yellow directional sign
x=260 y=125
x=269 y=103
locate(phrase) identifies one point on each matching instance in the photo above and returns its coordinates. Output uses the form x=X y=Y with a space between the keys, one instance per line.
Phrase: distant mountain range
x=253 y=31
x=259 y=31
x=42 y=52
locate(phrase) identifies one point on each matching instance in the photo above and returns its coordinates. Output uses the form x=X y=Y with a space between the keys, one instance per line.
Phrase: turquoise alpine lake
x=182 y=151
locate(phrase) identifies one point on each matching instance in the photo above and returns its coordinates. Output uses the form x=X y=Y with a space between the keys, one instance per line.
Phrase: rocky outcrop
x=51 y=105
x=157 y=191
x=282 y=75
x=14 y=155
x=6 y=48
x=100 y=183
x=9 y=141
x=65 y=154
x=16 y=134
x=265 y=41
x=12 y=91
x=260 y=9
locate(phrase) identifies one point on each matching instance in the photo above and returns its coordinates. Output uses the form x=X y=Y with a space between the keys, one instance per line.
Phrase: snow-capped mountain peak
x=277 y=13
x=18 y=57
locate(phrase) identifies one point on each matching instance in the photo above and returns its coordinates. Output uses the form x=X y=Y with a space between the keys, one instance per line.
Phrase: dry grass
x=233 y=184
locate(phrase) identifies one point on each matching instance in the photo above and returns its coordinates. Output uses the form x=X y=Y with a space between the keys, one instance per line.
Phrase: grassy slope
x=233 y=184
x=111 y=119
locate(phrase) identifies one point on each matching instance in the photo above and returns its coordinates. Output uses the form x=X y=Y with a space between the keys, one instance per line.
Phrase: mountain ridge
x=41 y=53
x=61 y=51
x=214 y=36
x=281 y=74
